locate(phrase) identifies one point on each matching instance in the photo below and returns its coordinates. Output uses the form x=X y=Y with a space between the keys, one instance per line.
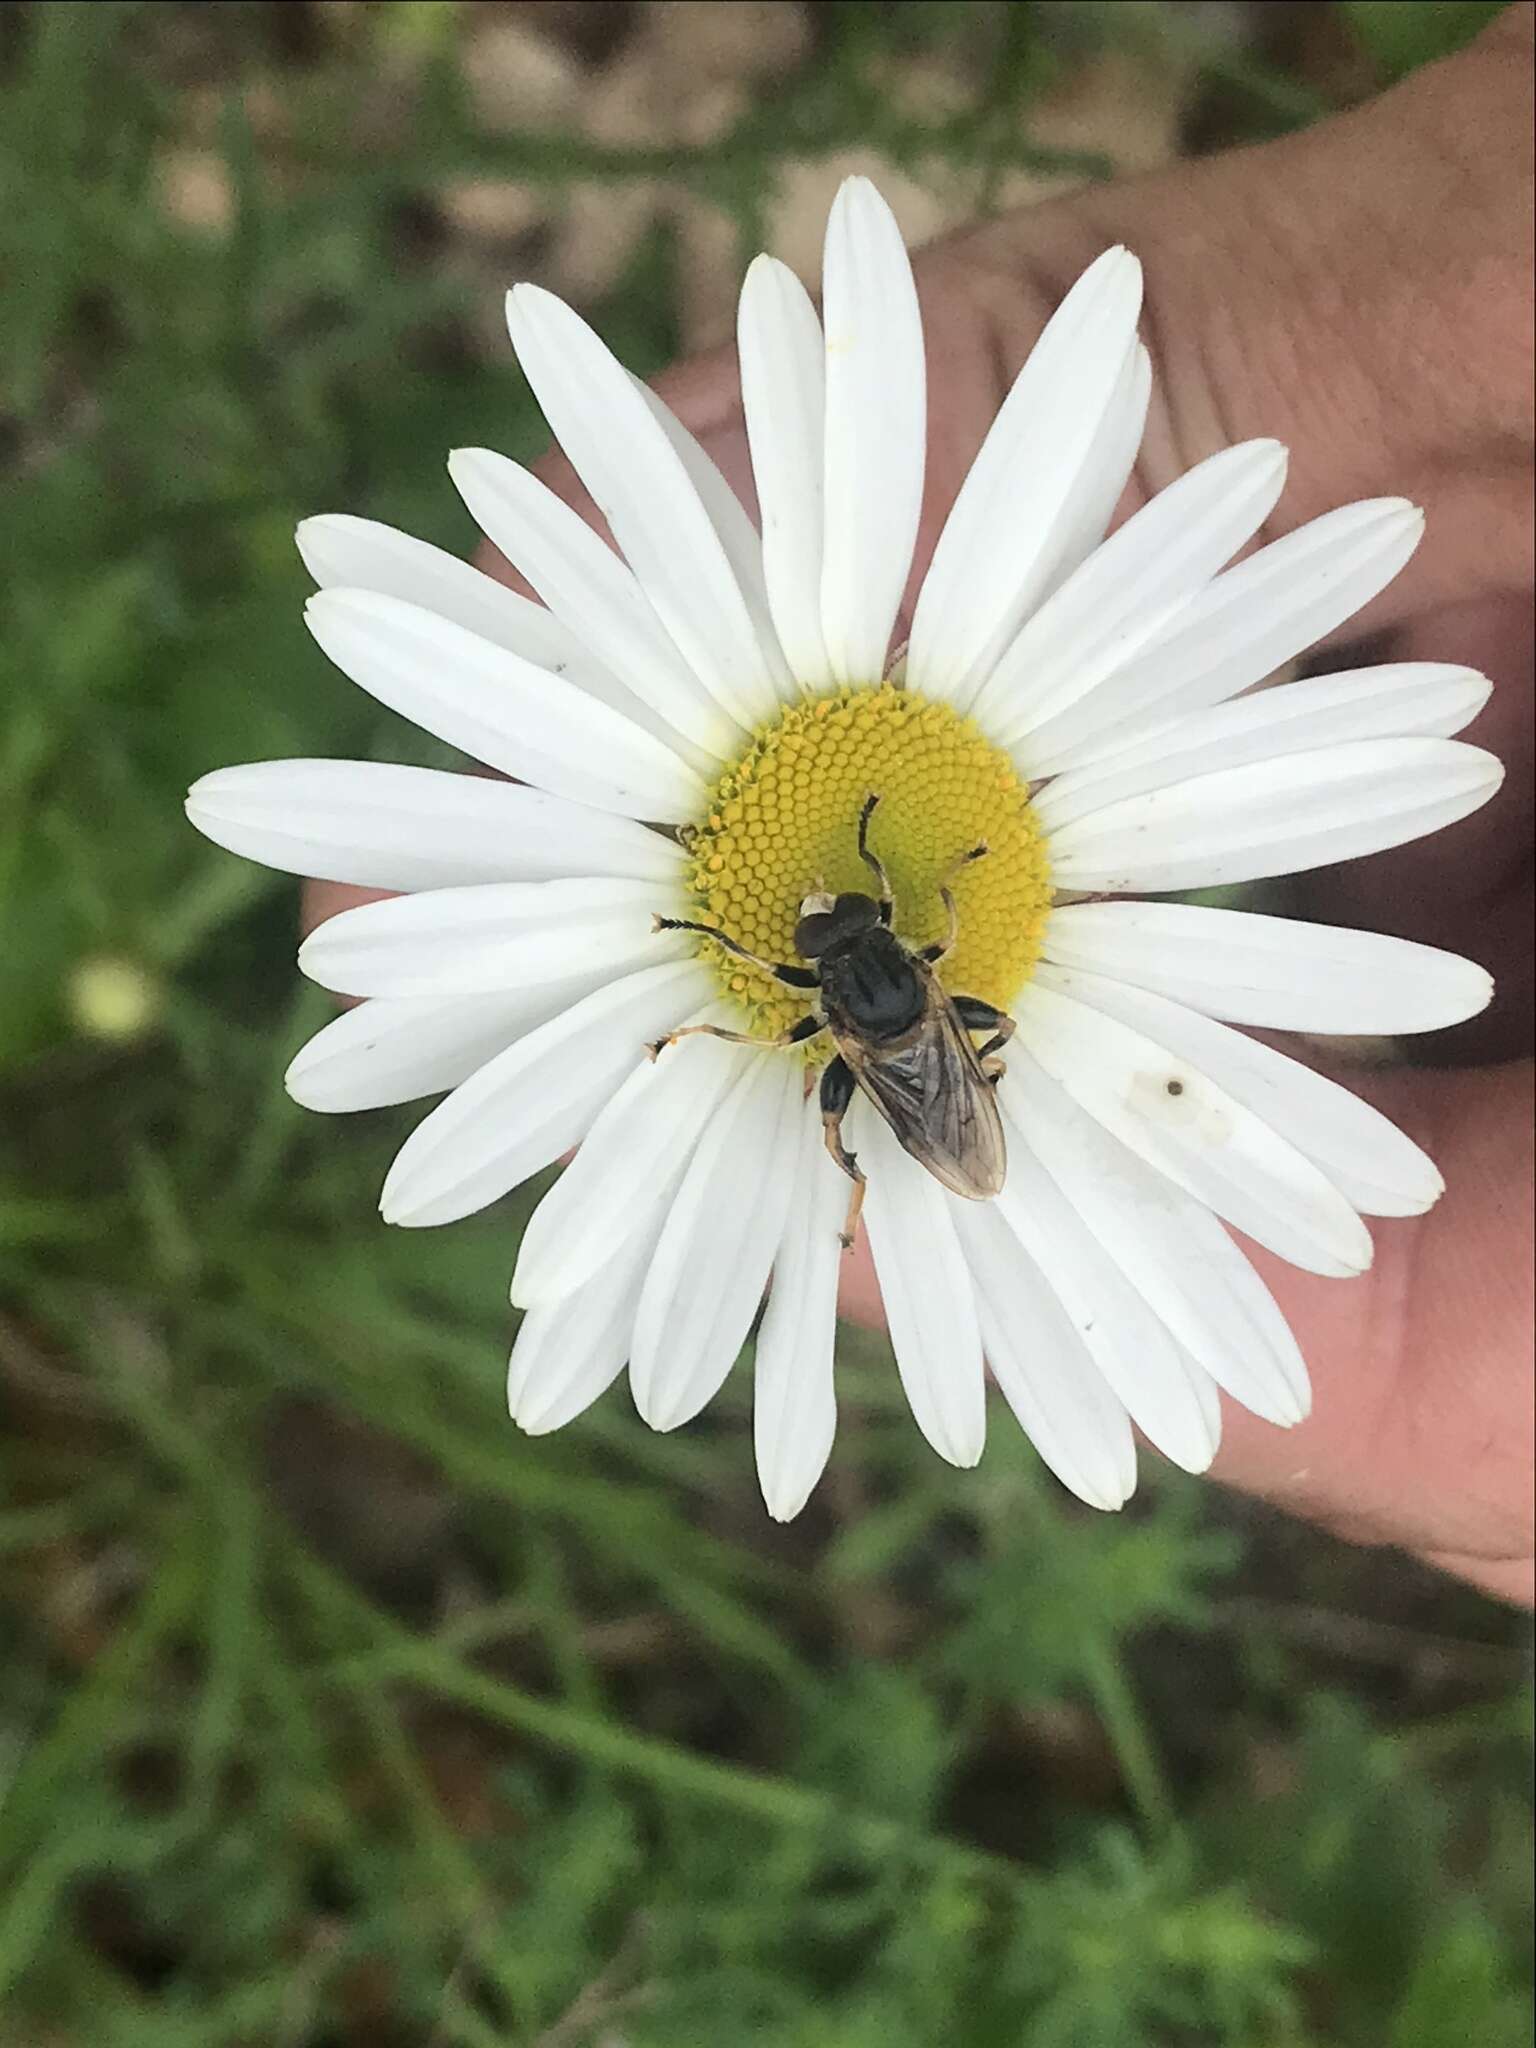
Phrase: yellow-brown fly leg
x=797 y=1034
x=946 y=897
x=781 y=970
x=976 y=1015
x=837 y=1085
x=872 y=860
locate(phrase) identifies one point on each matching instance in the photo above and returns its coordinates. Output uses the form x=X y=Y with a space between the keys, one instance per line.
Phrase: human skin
x=1362 y=292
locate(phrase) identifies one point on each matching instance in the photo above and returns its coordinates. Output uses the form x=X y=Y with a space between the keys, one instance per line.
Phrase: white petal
x=498 y=935
x=537 y=1099
x=1170 y=1398
x=1275 y=972
x=585 y=584
x=629 y=1163
x=378 y=826
x=1401 y=700
x=711 y=1264
x=1375 y=1166
x=1239 y=629
x=643 y=491
x=1105 y=474
x=500 y=709
x=876 y=430
x=343 y=552
x=1011 y=521
x=1277 y=817
x=1174 y=1116
x=738 y=536
x=1128 y=589
x=783 y=390
x=1047 y=1375
x=386 y=1052
x=925 y=1285
x=794 y=1406
x=1171 y=1248
x=569 y=1352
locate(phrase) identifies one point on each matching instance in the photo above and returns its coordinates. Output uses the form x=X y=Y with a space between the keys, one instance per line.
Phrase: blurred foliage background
x=332 y=1711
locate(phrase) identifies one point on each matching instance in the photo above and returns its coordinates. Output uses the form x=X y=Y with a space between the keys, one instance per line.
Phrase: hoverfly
x=899 y=1036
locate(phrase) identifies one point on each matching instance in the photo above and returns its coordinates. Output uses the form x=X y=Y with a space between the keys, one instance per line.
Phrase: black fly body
x=899 y=1036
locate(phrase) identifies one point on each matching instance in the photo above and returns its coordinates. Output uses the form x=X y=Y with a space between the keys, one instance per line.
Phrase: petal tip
x=527 y=302
x=400 y=1212
x=657 y=1414
x=1479 y=689
x=294 y=1074
x=963 y=1452
x=312 y=538
x=782 y=1504
x=1127 y=265
x=530 y=1416
x=860 y=204
x=788 y=1486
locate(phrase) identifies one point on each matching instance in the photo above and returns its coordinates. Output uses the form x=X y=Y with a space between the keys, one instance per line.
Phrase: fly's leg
x=872 y=860
x=976 y=1015
x=792 y=977
x=946 y=897
x=837 y=1085
x=797 y=1034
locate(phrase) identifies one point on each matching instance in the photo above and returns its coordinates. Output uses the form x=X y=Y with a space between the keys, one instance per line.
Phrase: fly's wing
x=933 y=1094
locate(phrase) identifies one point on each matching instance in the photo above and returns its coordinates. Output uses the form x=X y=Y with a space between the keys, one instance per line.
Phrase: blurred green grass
x=331 y=1709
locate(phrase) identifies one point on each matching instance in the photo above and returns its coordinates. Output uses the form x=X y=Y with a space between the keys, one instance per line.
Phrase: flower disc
x=783 y=820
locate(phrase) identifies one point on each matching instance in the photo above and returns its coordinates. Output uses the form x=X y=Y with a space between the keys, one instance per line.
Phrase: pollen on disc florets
x=783 y=820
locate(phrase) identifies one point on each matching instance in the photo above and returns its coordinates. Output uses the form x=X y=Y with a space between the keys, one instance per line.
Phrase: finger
x=1421 y=1431
x=1362 y=291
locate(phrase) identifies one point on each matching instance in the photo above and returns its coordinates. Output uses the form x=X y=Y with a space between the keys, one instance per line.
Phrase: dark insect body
x=899 y=1037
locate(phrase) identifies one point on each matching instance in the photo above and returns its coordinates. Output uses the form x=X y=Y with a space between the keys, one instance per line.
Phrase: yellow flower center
x=783 y=821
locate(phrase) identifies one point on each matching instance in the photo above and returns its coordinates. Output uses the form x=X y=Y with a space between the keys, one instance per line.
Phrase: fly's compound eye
x=812 y=934
x=815 y=925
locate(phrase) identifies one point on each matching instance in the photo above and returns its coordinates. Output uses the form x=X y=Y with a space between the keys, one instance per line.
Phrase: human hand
x=1362 y=293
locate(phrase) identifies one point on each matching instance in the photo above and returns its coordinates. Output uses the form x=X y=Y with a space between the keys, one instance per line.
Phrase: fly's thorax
x=871 y=985
x=782 y=824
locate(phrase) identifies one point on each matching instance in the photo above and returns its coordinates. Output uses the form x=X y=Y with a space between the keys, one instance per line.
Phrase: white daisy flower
x=696 y=721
